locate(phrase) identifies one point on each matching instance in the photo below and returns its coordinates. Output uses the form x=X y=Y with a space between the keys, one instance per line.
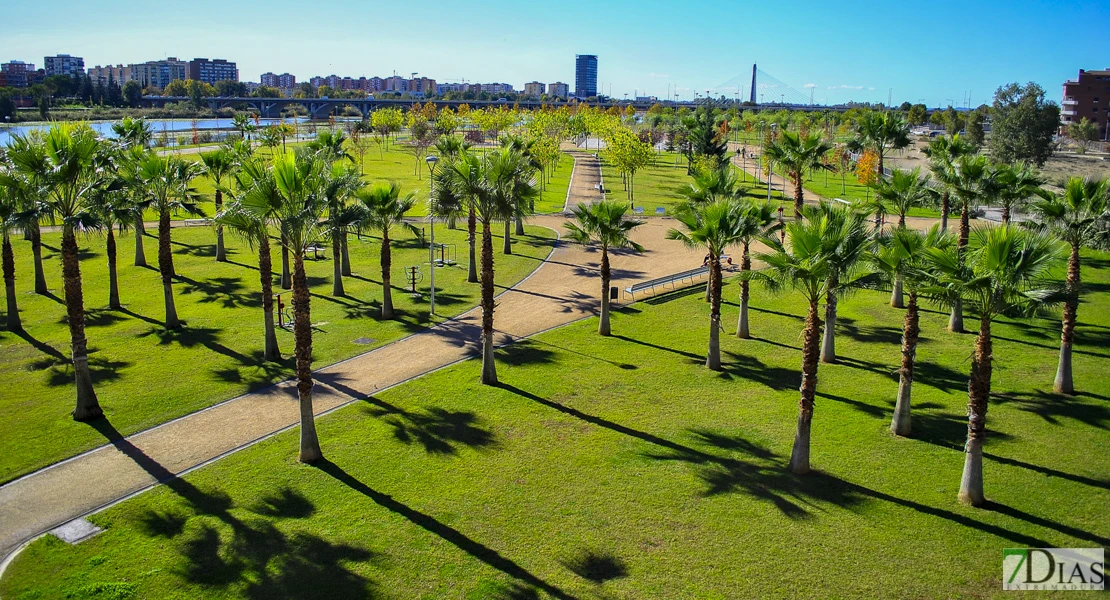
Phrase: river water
x=171 y=127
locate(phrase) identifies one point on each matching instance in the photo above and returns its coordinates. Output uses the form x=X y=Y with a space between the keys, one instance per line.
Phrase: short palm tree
x=71 y=177
x=1074 y=216
x=297 y=207
x=845 y=242
x=881 y=131
x=606 y=225
x=383 y=208
x=1002 y=271
x=902 y=191
x=756 y=221
x=132 y=132
x=899 y=259
x=26 y=183
x=168 y=187
x=9 y=222
x=331 y=146
x=970 y=178
x=801 y=266
x=710 y=185
x=112 y=209
x=1016 y=186
x=339 y=183
x=715 y=227
x=943 y=152
x=128 y=165
x=799 y=156
x=219 y=165
x=256 y=187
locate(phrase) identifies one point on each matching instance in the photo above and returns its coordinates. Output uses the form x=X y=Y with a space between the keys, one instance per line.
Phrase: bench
x=660 y=212
x=317 y=251
x=194 y=222
x=671 y=280
x=638 y=211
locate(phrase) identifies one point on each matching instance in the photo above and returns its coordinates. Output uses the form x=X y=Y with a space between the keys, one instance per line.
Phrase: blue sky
x=938 y=52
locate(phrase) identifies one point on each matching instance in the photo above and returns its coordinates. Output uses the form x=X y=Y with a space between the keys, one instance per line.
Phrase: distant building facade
x=118 y=74
x=558 y=90
x=63 y=64
x=534 y=89
x=159 y=73
x=211 y=71
x=1088 y=96
x=281 y=82
x=18 y=74
x=585 y=75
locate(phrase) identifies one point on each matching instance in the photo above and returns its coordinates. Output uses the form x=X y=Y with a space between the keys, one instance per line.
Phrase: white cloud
x=871 y=89
x=845 y=86
x=810 y=85
x=658 y=75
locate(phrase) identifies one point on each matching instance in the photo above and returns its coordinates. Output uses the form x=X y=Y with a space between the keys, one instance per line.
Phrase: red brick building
x=1088 y=96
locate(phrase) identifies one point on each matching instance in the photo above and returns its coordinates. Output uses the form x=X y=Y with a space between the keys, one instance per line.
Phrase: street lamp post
x=759 y=165
x=431 y=161
x=770 y=169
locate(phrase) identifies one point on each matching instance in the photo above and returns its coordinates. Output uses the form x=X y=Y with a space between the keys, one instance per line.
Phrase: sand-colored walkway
x=563 y=288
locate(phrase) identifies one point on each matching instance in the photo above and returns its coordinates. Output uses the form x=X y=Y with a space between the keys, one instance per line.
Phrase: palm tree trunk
x=266 y=276
x=713 y=356
x=387 y=263
x=508 y=249
x=165 y=266
x=965 y=225
x=36 y=250
x=113 y=280
x=799 y=194
x=489 y=369
x=519 y=225
x=302 y=333
x=1005 y=215
x=978 y=393
x=346 y=254
x=221 y=253
x=828 y=341
x=606 y=274
x=896 y=296
x=336 y=265
x=471 y=227
x=14 y=323
x=452 y=221
x=799 y=455
x=742 y=330
x=140 y=231
x=956 y=319
x=286 y=279
x=944 y=208
x=900 y=424
x=88 y=408
x=1063 y=383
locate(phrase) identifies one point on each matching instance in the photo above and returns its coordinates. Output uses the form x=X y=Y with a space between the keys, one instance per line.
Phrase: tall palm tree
x=881 y=131
x=942 y=153
x=128 y=166
x=297 y=207
x=844 y=243
x=255 y=185
x=524 y=146
x=112 y=210
x=799 y=156
x=26 y=181
x=715 y=227
x=971 y=180
x=1003 y=270
x=757 y=221
x=70 y=179
x=1016 y=186
x=219 y=165
x=801 y=266
x=383 y=208
x=1074 y=216
x=900 y=259
x=168 y=187
x=902 y=191
x=10 y=221
x=604 y=224
x=338 y=184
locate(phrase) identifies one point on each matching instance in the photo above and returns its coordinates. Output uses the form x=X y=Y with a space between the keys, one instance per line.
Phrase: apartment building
x=211 y=71
x=159 y=73
x=283 y=81
x=118 y=74
x=558 y=90
x=534 y=89
x=1087 y=96
x=63 y=64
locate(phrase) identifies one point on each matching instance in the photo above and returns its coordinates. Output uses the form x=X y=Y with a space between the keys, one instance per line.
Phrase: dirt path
x=565 y=287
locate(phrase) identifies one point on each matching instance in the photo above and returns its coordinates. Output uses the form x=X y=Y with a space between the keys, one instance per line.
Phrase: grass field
x=146 y=375
x=658 y=479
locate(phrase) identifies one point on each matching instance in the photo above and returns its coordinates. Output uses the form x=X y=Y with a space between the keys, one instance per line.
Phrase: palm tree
x=603 y=223
x=881 y=131
x=757 y=221
x=298 y=207
x=26 y=181
x=970 y=179
x=942 y=153
x=383 y=208
x=844 y=243
x=715 y=227
x=524 y=147
x=902 y=191
x=710 y=185
x=799 y=156
x=899 y=260
x=112 y=209
x=1074 y=216
x=338 y=184
x=10 y=221
x=802 y=266
x=219 y=165
x=1016 y=185
x=133 y=133
x=449 y=146
x=129 y=161
x=1003 y=271
x=256 y=186
x=330 y=146
x=167 y=183
x=70 y=178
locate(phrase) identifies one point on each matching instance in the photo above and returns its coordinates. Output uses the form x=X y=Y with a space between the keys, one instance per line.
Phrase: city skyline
x=894 y=52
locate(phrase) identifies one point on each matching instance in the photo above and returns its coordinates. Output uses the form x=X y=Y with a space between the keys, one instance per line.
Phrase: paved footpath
x=565 y=287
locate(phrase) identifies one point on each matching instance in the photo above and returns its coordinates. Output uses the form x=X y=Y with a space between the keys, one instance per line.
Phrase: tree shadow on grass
x=200 y=250
x=537 y=341
x=753 y=369
x=96 y=317
x=59 y=371
x=935 y=375
x=596 y=566
x=524 y=352
x=868 y=333
x=39 y=345
x=460 y=540
x=228 y=292
x=690 y=355
x=1054 y=407
x=189 y=337
x=258 y=373
x=438 y=430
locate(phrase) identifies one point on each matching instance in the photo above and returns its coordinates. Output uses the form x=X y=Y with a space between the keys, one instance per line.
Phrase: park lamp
x=431 y=161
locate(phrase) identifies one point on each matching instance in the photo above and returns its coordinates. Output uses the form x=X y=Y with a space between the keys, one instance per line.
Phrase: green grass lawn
x=145 y=375
x=658 y=479
x=851 y=190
